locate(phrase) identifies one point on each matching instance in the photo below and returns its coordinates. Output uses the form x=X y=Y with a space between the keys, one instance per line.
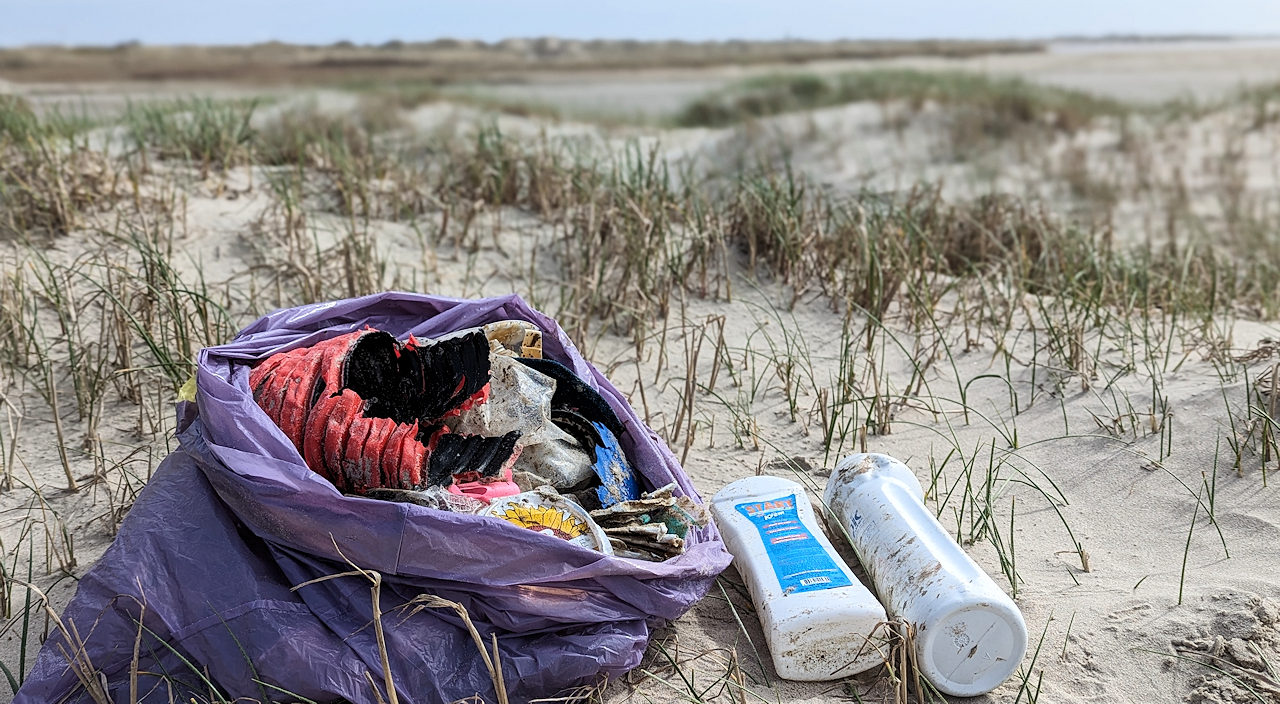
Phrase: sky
x=103 y=22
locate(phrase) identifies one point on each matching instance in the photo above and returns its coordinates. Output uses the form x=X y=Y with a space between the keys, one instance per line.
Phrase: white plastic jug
x=969 y=635
x=820 y=622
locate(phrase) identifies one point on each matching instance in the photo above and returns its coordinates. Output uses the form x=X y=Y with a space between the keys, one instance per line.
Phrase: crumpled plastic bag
x=200 y=576
x=519 y=399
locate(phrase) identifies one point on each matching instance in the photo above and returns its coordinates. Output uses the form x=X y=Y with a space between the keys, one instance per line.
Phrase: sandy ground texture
x=1144 y=559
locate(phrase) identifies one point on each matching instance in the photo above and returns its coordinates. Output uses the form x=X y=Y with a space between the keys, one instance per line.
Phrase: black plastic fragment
x=447 y=372
x=573 y=394
x=456 y=454
x=417 y=383
x=372 y=370
x=404 y=496
x=576 y=425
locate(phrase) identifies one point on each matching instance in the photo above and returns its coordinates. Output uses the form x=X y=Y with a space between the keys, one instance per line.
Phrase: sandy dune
x=1145 y=72
x=1102 y=478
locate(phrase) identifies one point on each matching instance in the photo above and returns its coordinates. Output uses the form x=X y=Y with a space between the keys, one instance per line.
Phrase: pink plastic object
x=485 y=490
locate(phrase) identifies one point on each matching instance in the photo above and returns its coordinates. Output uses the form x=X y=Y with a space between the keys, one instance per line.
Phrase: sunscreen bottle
x=819 y=621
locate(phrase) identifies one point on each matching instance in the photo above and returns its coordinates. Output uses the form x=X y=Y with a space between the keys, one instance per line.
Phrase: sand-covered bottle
x=970 y=636
x=820 y=622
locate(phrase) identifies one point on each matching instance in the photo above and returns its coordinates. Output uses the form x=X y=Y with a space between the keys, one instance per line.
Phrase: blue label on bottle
x=799 y=561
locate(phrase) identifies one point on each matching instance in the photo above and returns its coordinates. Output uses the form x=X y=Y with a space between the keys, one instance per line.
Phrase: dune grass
x=48 y=172
x=627 y=245
x=211 y=133
x=1003 y=105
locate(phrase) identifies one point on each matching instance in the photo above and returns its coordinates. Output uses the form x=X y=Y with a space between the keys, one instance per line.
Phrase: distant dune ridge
x=444 y=60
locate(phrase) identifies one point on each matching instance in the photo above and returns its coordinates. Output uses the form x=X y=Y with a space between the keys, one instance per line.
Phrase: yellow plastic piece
x=188 y=390
x=542 y=518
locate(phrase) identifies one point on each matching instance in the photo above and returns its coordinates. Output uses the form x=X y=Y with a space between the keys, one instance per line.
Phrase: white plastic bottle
x=820 y=622
x=970 y=636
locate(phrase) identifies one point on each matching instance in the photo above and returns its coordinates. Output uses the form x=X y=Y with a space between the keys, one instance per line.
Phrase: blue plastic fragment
x=616 y=476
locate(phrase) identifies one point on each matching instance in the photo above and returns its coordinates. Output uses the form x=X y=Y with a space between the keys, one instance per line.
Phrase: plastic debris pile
x=367 y=412
x=476 y=422
x=652 y=527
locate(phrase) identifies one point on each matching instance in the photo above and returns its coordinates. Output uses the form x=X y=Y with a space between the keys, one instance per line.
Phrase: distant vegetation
x=1003 y=103
x=443 y=61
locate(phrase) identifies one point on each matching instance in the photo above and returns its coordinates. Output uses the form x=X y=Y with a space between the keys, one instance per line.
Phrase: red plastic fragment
x=266 y=367
x=351 y=440
x=351 y=461
x=393 y=455
x=413 y=458
x=300 y=388
x=333 y=353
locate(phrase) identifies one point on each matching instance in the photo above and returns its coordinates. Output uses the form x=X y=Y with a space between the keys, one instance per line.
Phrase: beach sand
x=1102 y=498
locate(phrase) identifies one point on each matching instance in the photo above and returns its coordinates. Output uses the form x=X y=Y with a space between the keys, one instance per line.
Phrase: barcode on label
x=810 y=581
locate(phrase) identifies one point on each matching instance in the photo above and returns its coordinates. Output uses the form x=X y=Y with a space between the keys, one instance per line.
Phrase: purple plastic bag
x=199 y=577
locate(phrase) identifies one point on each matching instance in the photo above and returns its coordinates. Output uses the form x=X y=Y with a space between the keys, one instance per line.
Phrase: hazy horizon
x=1101 y=38
x=160 y=22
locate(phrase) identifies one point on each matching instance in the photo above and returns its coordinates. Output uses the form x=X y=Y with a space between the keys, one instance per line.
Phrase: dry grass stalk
x=375 y=591
x=77 y=658
x=492 y=663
